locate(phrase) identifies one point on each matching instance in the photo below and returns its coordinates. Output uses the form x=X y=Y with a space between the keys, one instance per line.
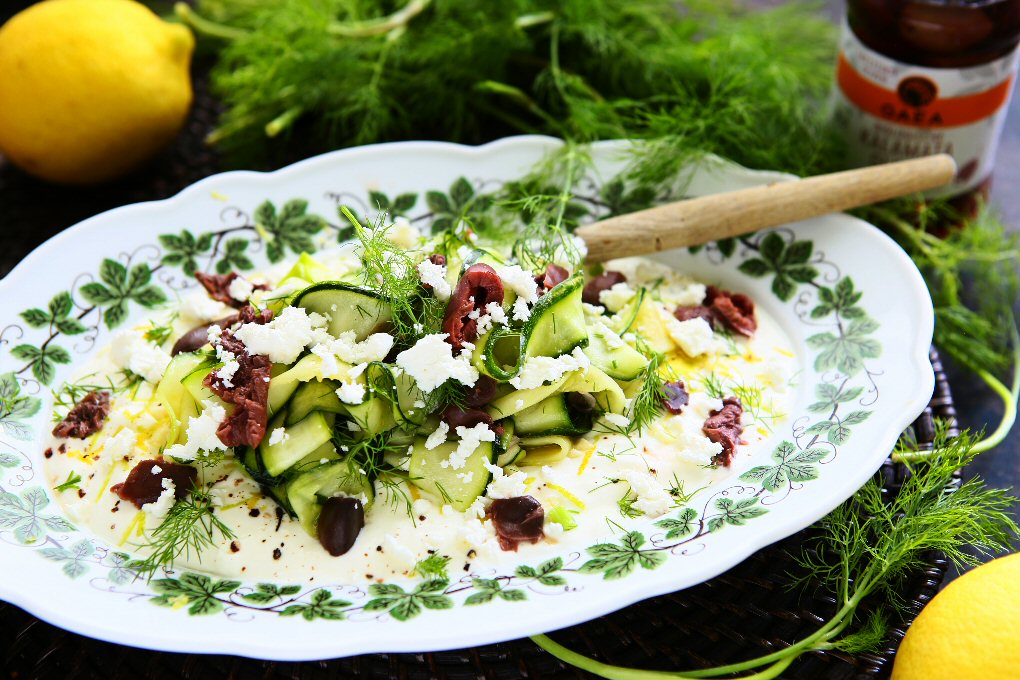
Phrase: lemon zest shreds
x=587 y=459
x=567 y=494
x=137 y=524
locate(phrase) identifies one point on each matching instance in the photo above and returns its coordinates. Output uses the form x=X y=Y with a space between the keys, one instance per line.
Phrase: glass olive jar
x=916 y=77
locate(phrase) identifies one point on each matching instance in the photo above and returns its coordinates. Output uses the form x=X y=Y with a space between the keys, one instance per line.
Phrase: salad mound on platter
x=399 y=383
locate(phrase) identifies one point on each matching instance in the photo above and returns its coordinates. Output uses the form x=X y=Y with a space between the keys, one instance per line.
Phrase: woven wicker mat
x=744 y=612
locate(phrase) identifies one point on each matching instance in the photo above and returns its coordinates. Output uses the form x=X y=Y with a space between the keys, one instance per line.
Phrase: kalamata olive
x=144 y=484
x=456 y=417
x=943 y=29
x=734 y=309
x=603 y=281
x=479 y=285
x=675 y=397
x=340 y=522
x=554 y=275
x=481 y=393
x=437 y=259
x=87 y=416
x=688 y=312
x=198 y=337
x=517 y=520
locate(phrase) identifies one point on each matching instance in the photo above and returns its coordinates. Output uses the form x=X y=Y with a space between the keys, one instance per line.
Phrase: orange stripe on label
x=876 y=100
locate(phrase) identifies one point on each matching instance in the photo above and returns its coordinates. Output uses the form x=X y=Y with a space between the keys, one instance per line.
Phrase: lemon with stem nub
x=970 y=630
x=91 y=88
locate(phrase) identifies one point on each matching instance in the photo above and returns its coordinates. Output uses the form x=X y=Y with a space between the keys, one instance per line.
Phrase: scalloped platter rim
x=853 y=303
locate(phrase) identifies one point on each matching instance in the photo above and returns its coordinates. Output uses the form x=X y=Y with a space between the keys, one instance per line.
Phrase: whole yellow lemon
x=90 y=88
x=970 y=630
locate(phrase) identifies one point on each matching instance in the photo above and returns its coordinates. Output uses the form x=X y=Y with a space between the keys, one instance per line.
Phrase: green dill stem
x=204 y=26
x=536 y=19
x=777 y=661
x=283 y=121
x=519 y=96
x=1009 y=397
x=618 y=673
x=374 y=27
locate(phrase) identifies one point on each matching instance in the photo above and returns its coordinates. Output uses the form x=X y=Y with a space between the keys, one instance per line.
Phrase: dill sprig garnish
x=366 y=460
x=70 y=393
x=190 y=527
x=391 y=271
x=863 y=551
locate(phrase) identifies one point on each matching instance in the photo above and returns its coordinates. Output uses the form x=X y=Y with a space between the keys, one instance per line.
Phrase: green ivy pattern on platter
x=150 y=276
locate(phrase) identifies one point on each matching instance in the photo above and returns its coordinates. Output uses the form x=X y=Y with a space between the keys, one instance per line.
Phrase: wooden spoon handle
x=718 y=216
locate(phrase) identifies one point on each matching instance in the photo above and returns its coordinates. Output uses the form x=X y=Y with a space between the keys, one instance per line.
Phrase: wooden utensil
x=710 y=218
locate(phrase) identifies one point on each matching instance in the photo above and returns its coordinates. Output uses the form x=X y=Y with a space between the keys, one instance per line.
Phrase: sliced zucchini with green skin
x=508 y=447
x=616 y=358
x=283 y=386
x=545 y=450
x=403 y=392
x=172 y=393
x=458 y=487
x=302 y=438
x=552 y=415
x=348 y=307
x=514 y=402
x=607 y=392
x=556 y=326
x=306 y=491
x=315 y=395
x=195 y=385
x=374 y=415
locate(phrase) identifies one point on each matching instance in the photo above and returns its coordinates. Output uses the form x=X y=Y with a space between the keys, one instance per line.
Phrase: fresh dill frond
x=868 y=545
x=647 y=405
x=190 y=527
x=210 y=459
x=73 y=481
x=365 y=461
x=70 y=393
x=626 y=505
x=158 y=333
x=392 y=272
x=433 y=566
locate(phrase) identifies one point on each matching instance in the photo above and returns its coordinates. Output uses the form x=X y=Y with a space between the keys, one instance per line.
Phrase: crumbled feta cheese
x=330 y=366
x=418 y=403
x=356 y=371
x=400 y=556
x=470 y=439
x=373 y=348
x=120 y=445
x=694 y=336
x=351 y=393
x=553 y=530
x=520 y=280
x=652 y=499
x=521 y=311
x=519 y=404
x=198 y=306
x=241 y=289
x=201 y=435
x=229 y=368
x=539 y=370
x=616 y=419
x=403 y=233
x=213 y=334
x=504 y=485
x=431 y=363
x=157 y=511
x=435 y=275
x=130 y=350
x=283 y=338
x=155 y=469
x=617 y=297
x=438 y=436
x=613 y=341
x=278 y=436
x=466 y=477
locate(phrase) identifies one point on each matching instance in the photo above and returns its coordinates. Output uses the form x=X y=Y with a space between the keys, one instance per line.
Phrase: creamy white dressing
x=268 y=546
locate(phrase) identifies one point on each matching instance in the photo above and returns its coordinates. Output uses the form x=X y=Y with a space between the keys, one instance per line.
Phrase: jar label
x=890 y=110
